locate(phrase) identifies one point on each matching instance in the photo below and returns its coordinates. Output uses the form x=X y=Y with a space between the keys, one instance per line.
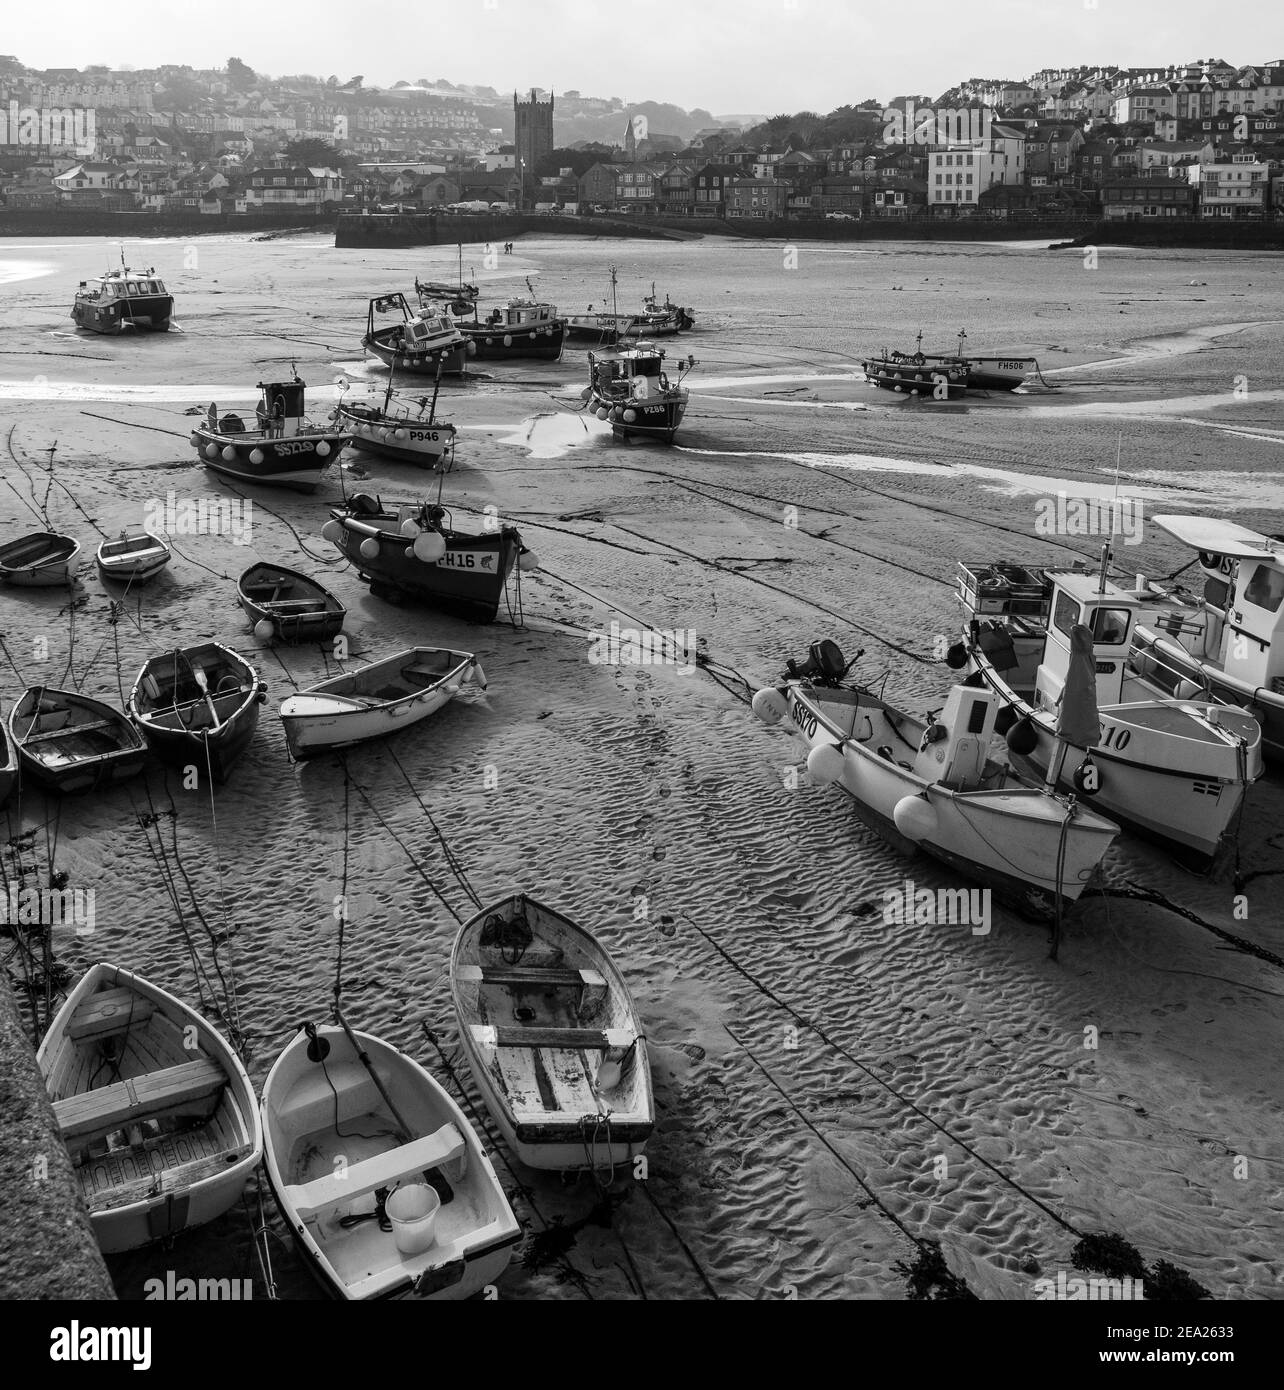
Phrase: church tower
x=533 y=137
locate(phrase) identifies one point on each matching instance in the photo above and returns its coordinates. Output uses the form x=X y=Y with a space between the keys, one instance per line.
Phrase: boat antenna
x=920 y=342
x=392 y=372
x=432 y=414
x=962 y=337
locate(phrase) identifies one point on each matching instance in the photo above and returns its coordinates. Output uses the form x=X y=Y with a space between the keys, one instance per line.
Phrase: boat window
x=131 y=287
x=1266 y=588
x=158 y=286
x=1066 y=613
x=1110 y=626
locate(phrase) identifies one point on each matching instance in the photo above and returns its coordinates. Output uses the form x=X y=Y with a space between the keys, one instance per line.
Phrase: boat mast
x=1107 y=550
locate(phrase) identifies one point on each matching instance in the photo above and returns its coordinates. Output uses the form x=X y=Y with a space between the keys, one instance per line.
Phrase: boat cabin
x=280 y=408
x=1108 y=612
x=633 y=373
x=121 y=285
x=522 y=313
x=1243 y=608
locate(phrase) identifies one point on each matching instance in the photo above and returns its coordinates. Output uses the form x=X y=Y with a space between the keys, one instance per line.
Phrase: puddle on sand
x=13 y=271
x=552 y=435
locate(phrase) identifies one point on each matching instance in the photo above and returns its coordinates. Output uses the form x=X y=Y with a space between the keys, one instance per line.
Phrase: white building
x=957 y=177
x=1239 y=188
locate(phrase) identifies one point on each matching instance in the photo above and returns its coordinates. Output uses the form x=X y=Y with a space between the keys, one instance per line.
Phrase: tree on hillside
x=312 y=153
x=240 y=75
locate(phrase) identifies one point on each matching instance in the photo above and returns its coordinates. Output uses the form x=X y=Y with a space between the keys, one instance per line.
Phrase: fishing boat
x=123 y=299
x=914 y=374
x=1225 y=643
x=70 y=743
x=41 y=560
x=985 y=373
x=198 y=707
x=552 y=1037
x=1175 y=771
x=154 y=1106
x=376 y=700
x=394 y=432
x=285 y=450
x=523 y=329
x=287 y=605
x=931 y=784
x=382 y=1181
x=656 y=320
x=422 y=343
x=8 y=764
x=413 y=551
x=629 y=387
x=133 y=557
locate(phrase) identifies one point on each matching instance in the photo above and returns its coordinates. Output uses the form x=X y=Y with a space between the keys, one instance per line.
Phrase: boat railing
x=1148 y=662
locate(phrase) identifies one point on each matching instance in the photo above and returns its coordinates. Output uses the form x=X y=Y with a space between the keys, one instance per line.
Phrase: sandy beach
x=831 y=1089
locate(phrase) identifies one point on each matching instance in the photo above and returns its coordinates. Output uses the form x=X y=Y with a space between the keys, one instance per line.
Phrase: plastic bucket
x=413 y=1212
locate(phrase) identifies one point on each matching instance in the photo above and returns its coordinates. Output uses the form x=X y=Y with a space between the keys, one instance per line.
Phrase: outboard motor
x=824 y=665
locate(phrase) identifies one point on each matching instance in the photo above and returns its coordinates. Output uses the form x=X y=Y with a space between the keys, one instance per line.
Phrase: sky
x=727 y=56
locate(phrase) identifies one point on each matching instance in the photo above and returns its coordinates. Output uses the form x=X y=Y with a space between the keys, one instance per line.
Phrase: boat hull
x=563 y=1122
x=296 y=461
x=469 y=580
x=75 y=763
x=991 y=373
x=907 y=379
x=476 y=1232
x=414 y=442
x=8 y=764
x=659 y=420
x=290 y=626
x=220 y=1161
x=146 y=314
x=502 y=343
x=131 y=573
x=1008 y=839
x=1189 y=807
x=450 y=361
x=44 y=560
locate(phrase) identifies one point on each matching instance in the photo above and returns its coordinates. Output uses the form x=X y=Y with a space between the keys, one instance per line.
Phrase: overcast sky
x=728 y=56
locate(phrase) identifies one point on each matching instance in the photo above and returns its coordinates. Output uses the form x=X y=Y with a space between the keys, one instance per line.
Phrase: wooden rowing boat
x=377 y=700
x=198 y=707
x=297 y=608
x=71 y=743
x=347 y=1119
x=40 y=560
x=154 y=1107
x=552 y=1037
x=133 y=557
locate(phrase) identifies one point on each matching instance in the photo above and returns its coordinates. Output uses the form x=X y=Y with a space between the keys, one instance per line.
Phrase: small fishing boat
x=523 y=329
x=287 y=605
x=382 y=1181
x=655 y=321
x=133 y=557
x=395 y=433
x=986 y=373
x=1174 y=771
x=154 y=1106
x=286 y=450
x=41 y=560
x=914 y=374
x=123 y=299
x=1226 y=642
x=198 y=707
x=552 y=1037
x=376 y=700
x=8 y=764
x=412 y=551
x=70 y=743
x=629 y=387
x=930 y=784
x=422 y=343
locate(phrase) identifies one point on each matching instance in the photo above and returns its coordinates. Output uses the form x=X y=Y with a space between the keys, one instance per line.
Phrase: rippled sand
x=830 y=1088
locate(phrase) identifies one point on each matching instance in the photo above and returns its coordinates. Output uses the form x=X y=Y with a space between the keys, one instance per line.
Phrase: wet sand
x=806 y=1055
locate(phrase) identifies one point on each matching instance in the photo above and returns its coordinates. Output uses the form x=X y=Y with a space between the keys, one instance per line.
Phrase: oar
x=199 y=676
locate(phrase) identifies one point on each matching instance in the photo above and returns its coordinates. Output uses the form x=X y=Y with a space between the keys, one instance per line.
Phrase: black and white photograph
x=642 y=660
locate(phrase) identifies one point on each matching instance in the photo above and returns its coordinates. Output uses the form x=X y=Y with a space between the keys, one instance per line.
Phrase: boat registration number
x=802 y=717
x=1014 y=366
x=467 y=560
x=296 y=448
x=425 y=436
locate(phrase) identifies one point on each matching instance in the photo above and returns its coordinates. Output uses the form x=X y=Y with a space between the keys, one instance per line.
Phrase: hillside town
x=1195 y=140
